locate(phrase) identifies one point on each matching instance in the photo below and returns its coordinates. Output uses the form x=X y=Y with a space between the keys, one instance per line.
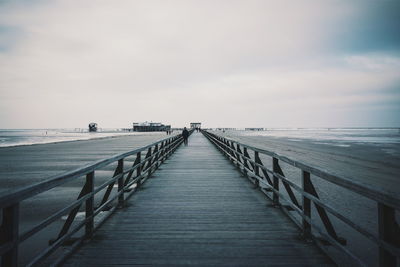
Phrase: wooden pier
x=197 y=209
x=161 y=205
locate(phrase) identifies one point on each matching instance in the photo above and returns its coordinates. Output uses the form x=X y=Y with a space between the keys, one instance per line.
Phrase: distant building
x=224 y=129
x=254 y=129
x=92 y=127
x=150 y=127
x=194 y=125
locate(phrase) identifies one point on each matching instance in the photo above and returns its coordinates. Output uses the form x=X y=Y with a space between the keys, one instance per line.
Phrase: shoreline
x=76 y=140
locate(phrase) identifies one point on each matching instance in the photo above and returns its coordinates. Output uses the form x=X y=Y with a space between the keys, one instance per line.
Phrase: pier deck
x=198 y=209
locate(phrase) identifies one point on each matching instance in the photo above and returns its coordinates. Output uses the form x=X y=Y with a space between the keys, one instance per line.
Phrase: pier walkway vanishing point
x=198 y=209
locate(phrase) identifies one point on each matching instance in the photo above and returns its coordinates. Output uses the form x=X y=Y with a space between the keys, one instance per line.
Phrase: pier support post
x=89 y=205
x=148 y=155
x=387 y=232
x=120 y=170
x=155 y=159
x=275 y=169
x=306 y=184
x=139 y=168
x=255 y=167
x=9 y=234
x=247 y=159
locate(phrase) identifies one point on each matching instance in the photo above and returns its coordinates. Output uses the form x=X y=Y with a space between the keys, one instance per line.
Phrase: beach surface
x=22 y=166
x=371 y=163
x=375 y=164
x=29 y=164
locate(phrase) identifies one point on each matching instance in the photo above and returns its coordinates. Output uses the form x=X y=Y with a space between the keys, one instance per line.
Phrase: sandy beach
x=25 y=165
x=22 y=166
x=369 y=163
x=372 y=164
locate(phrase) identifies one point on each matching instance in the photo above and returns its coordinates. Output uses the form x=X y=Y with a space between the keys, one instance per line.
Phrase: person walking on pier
x=185 y=135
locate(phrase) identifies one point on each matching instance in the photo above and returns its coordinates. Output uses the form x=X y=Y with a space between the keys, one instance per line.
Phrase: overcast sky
x=225 y=63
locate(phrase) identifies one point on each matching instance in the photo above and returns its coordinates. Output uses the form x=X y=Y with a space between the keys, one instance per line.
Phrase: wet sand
x=368 y=163
x=25 y=165
x=21 y=166
x=373 y=164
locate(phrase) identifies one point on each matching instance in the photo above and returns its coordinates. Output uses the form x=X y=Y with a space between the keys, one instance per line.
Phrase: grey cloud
x=222 y=62
x=374 y=27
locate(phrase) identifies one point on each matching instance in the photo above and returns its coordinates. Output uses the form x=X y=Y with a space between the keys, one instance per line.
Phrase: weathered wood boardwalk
x=198 y=210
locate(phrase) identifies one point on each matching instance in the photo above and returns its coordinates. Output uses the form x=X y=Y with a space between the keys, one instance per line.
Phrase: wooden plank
x=198 y=209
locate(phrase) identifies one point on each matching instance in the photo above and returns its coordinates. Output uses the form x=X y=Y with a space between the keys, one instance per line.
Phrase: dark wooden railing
x=248 y=161
x=128 y=181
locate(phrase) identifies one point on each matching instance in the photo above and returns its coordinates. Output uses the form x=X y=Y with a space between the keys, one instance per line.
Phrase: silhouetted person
x=185 y=135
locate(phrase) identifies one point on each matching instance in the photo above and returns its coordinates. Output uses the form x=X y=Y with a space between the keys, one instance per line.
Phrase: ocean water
x=18 y=137
x=334 y=136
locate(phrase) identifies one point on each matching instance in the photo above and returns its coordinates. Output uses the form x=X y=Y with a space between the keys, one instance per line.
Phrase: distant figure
x=185 y=135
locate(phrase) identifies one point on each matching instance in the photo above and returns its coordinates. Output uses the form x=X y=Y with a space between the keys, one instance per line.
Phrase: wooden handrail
x=376 y=194
x=388 y=239
x=10 y=238
x=20 y=194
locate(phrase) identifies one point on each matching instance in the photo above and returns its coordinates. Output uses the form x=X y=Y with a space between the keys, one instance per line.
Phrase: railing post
x=256 y=167
x=275 y=168
x=306 y=184
x=387 y=232
x=162 y=151
x=257 y=160
x=156 y=157
x=89 y=206
x=246 y=159
x=9 y=233
x=170 y=146
x=138 y=161
x=147 y=161
x=233 y=151
x=120 y=170
x=167 y=148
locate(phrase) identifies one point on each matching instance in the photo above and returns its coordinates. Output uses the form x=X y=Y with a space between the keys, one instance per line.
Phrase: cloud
x=178 y=61
x=369 y=26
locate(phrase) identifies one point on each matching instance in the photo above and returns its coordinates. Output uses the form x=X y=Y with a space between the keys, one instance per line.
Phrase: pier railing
x=248 y=160
x=115 y=191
